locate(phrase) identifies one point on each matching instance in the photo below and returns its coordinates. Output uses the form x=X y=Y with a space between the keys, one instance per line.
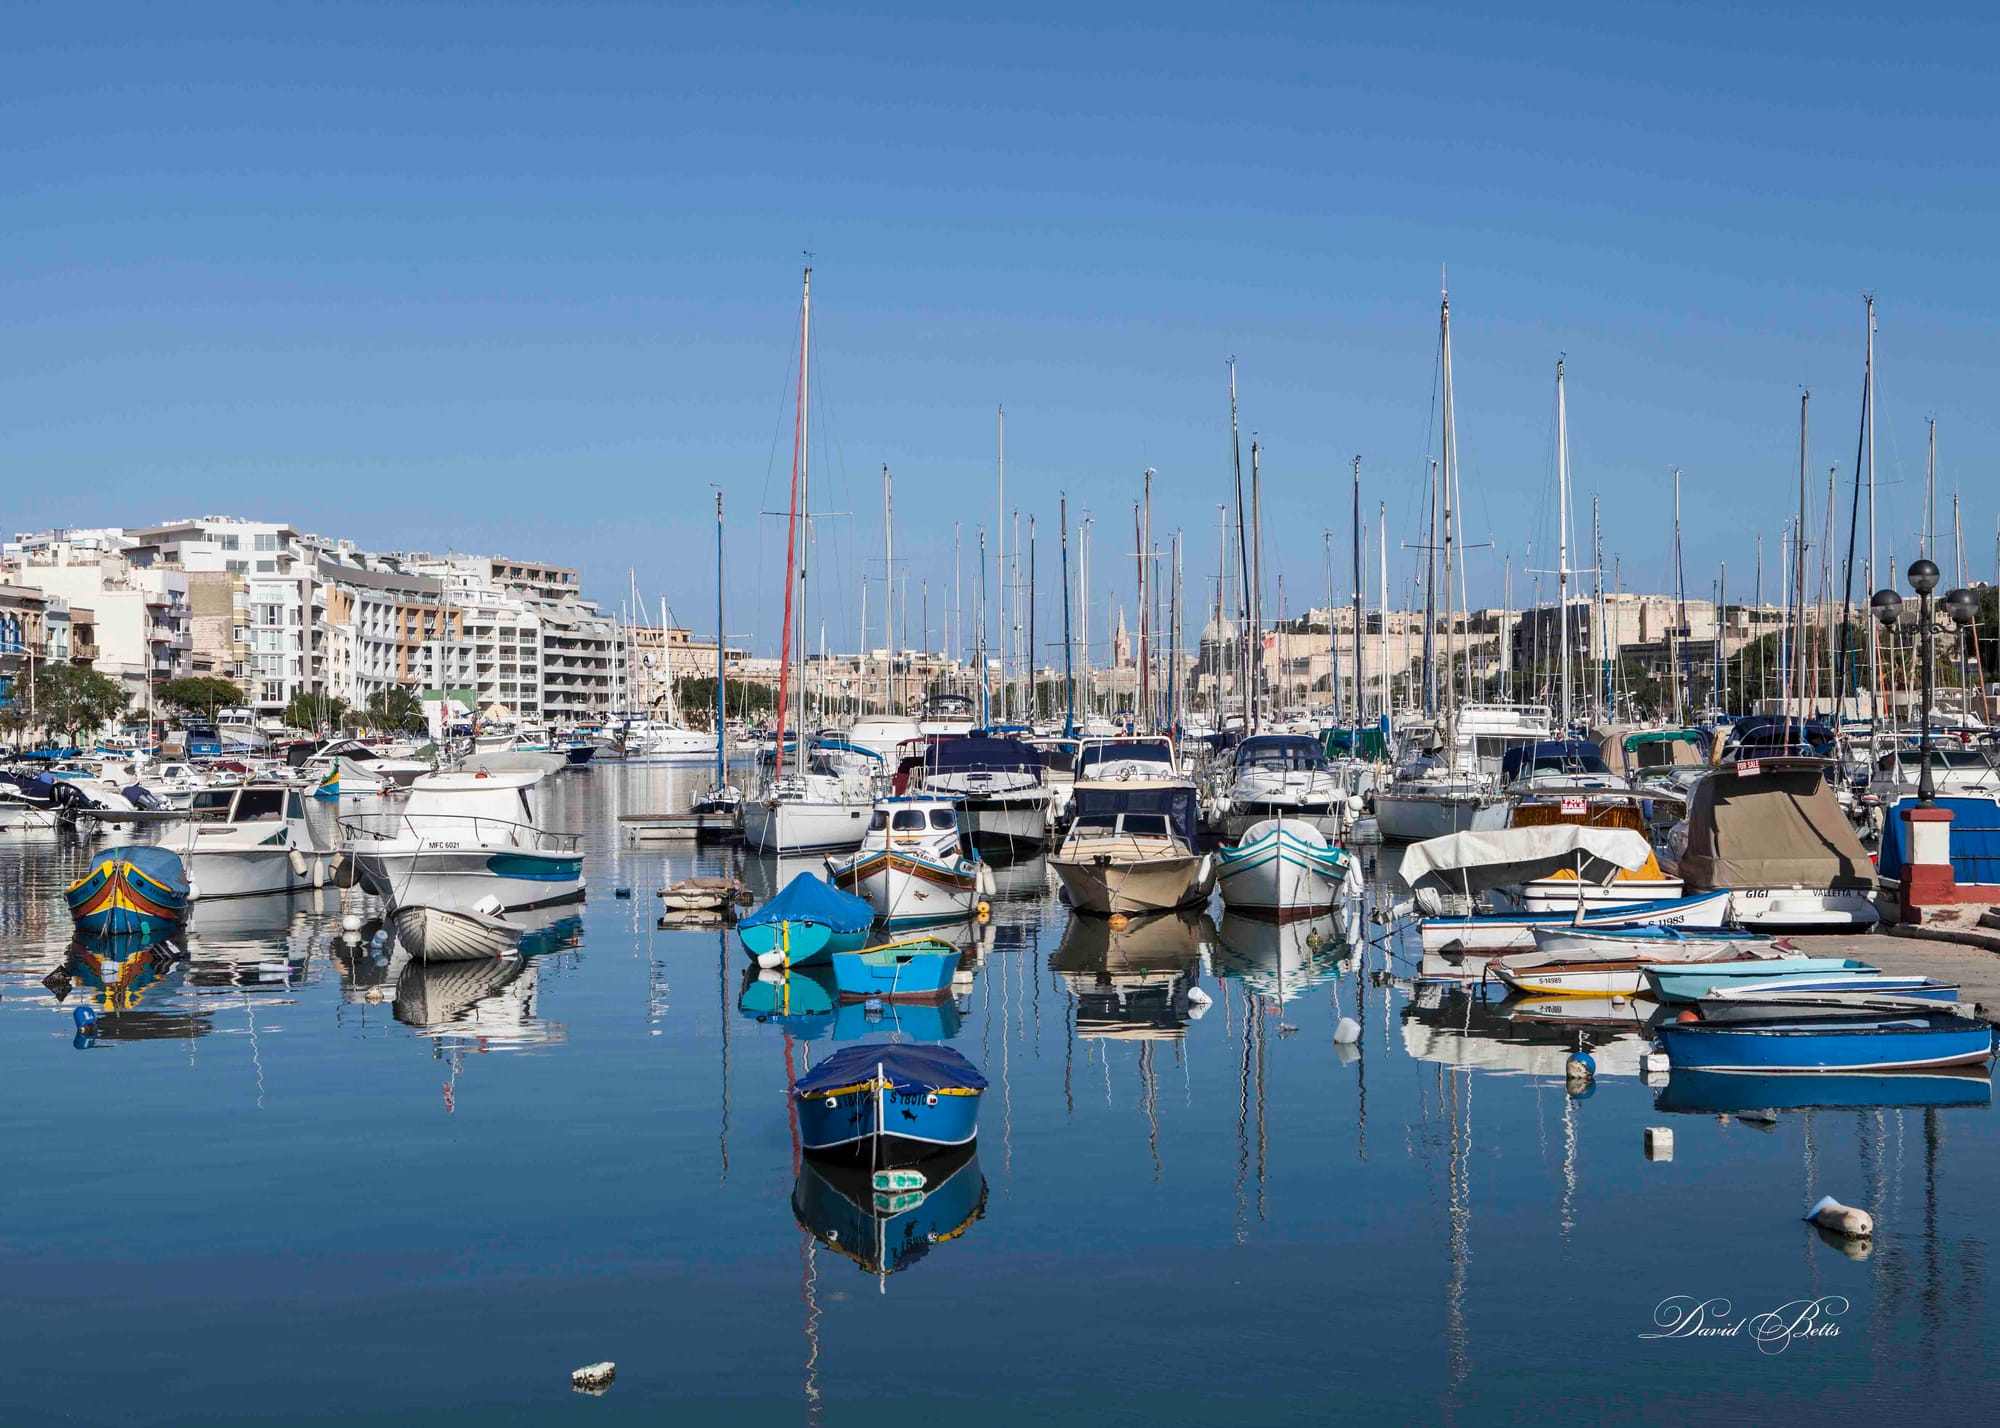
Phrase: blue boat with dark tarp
x=882 y=1102
x=138 y=888
x=886 y=1229
x=807 y=922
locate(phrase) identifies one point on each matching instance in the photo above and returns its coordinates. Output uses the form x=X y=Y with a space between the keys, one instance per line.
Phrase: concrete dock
x=1962 y=952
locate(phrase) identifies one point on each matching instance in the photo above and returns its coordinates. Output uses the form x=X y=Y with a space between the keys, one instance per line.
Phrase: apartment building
x=140 y=623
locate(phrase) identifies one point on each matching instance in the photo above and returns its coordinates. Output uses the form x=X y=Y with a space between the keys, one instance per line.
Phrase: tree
x=697 y=699
x=199 y=694
x=315 y=711
x=71 y=699
x=396 y=709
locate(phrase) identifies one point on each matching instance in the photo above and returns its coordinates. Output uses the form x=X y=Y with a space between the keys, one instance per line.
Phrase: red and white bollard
x=1928 y=884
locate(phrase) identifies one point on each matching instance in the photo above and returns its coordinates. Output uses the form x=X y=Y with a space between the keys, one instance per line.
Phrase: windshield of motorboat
x=1146 y=825
x=258 y=805
x=1558 y=756
x=1955 y=758
x=212 y=803
x=1174 y=802
x=1285 y=753
x=1121 y=751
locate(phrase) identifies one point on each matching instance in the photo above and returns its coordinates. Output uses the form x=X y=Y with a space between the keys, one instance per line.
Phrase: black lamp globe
x=1887 y=605
x=1923 y=576
x=1962 y=605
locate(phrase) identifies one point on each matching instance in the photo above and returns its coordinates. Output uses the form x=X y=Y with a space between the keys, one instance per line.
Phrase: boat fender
x=1205 y=874
x=84 y=1017
x=1117 y=922
x=318 y=873
x=1581 y=1066
x=1198 y=998
x=1346 y=1031
x=194 y=889
x=985 y=909
x=832 y=1102
x=1830 y=1214
x=930 y=1098
x=770 y=961
x=1689 y=1015
x=988 y=883
x=298 y=862
x=351 y=922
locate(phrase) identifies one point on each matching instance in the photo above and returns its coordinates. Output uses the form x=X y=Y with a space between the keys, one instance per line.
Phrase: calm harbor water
x=300 y=1179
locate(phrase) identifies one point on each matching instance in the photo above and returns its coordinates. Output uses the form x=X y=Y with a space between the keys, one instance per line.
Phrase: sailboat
x=724 y=797
x=669 y=740
x=822 y=803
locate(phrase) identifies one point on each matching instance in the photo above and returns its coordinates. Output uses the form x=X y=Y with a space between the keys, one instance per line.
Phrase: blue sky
x=523 y=278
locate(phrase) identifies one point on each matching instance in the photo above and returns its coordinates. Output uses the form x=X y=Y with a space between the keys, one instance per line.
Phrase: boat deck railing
x=447 y=830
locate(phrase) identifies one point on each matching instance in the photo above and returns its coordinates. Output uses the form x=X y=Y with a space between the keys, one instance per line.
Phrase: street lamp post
x=1961 y=605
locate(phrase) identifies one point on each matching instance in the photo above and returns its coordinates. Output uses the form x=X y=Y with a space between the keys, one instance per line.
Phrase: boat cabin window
x=1291 y=753
x=1146 y=825
x=909 y=820
x=254 y=805
x=212 y=802
x=1098 y=822
x=294 y=808
x=878 y=822
x=943 y=818
x=1150 y=751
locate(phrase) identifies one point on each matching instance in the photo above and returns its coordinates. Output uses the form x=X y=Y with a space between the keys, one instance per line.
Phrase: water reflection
x=1691 y=1092
x=1132 y=983
x=883 y=1231
x=1283 y=960
x=804 y=1002
x=122 y=989
x=475 y=1006
x=1457 y=1026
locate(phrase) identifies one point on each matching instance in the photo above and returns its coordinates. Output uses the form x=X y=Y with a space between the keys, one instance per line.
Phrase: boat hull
x=911 y=1121
x=1004 y=826
x=1130 y=886
x=1413 y=817
x=907 y=891
x=1571 y=979
x=785 y=826
x=1560 y=894
x=460 y=878
x=244 y=872
x=1914 y=1043
x=130 y=890
x=1516 y=931
x=1694 y=1092
x=1660 y=945
x=1795 y=909
x=432 y=934
x=1282 y=875
x=894 y=975
x=1697 y=983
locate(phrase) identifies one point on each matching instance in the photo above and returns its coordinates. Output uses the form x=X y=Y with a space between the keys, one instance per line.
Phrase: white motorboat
x=249 y=841
x=1285 y=869
x=441 y=934
x=1446 y=775
x=999 y=784
x=652 y=741
x=1772 y=832
x=465 y=837
x=1282 y=776
x=365 y=769
x=915 y=864
x=1131 y=848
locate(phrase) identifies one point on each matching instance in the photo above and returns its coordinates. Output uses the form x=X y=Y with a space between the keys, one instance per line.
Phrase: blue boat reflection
x=124 y=986
x=1696 y=1092
x=884 y=1231
x=804 y=1002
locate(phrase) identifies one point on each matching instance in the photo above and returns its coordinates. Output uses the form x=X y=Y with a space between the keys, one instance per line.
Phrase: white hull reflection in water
x=1133 y=982
x=487 y=1006
x=1458 y=1028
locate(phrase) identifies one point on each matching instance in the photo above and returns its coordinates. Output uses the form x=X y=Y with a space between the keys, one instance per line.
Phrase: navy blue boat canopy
x=807 y=899
x=979 y=751
x=905 y=1068
x=1553 y=756
x=1280 y=751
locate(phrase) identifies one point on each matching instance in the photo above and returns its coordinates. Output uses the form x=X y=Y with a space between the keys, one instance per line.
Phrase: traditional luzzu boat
x=807 y=922
x=914 y=969
x=1286 y=868
x=138 y=888
x=1864 y=1043
x=914 y=865
x=876 y=1101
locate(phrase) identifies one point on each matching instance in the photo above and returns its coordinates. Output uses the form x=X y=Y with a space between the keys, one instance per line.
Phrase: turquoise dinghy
x=915 y=969
x=1694 y=981
x=807 y=922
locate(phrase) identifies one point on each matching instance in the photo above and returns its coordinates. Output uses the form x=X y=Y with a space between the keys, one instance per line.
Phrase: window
x=942 y=818
x=878 y=822
x=228 y=542
x=237 y=567
x=259 y=804
x=267 y=567
x=908 y=819
x=267 y=542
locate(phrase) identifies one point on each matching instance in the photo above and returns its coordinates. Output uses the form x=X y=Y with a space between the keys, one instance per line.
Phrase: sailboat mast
x=1562 y=539
x=1382 y=595
x=889 y=597
x=1874 y=628
x=979 y=626
x=794 y=626
x=1000 y=563
x=1797 y=681
x=1069 y=650
x=1360 y=698
x=1430 y=599
x=1034 y=690
x=1257 y=583
x=1241 y=612
x=1678 y=643
x=721 y=672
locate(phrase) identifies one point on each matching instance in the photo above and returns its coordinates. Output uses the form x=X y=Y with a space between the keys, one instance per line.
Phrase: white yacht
x=1282 y=776
x=248 y=841
x=654 y=741
x=884 y=734
x=467 y=841
x=1446 y=774
x=999 y=784
x=824 y=808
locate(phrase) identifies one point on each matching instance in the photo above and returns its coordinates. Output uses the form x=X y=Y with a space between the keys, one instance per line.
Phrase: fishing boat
x=1710 y=1093
x=1866 y=1043
x=1285 y=868
x=886 y=1230
x=463 y=838
x=807 y=922
x=1131 y=848
x=913 y=969
x=881 y=1102
x=443 y=934
x=1831 y=989
x=914 y=865
x=137 y=888
x=1772 y=832
x=249 y=841
x=1281 y=776
x=1696 y=982
x=1515 y=931
x=1611 y=977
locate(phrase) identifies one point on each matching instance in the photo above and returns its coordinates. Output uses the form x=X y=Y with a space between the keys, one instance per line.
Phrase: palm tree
x=396 y=708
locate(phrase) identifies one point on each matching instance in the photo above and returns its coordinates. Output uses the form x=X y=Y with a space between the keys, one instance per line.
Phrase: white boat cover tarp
x=1477 y=861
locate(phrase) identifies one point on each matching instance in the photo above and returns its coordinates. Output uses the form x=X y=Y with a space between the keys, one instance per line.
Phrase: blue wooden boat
x=140 y=888
x=914 y=969
x=1692 y=981
x=1829 y=1044
x=885 y=1230
x=1691 y=1092
x=807 y=922
x=881 y=1101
